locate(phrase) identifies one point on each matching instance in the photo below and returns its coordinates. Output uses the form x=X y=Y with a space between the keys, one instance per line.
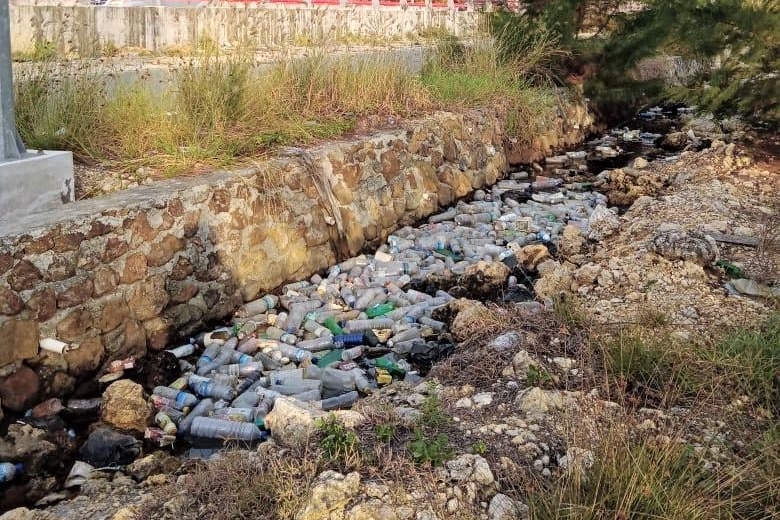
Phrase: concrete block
x=37 y=182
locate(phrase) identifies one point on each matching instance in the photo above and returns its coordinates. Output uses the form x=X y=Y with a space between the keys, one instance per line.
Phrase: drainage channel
x=327 y=341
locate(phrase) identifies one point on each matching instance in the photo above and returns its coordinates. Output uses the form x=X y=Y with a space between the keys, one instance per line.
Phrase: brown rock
x=68 y=242
x=20 y=341
x=61 y=384
x=191 y=223
x=125 y=406
x=351 y=174
x=115 y=247
x=175 y=207
x=147 y=299
x=11 y=303
x=343 y=193
x=75 y=325
x=114 y=312
x=158 y=333
x=220 y=200
x=75 y=294
x=19 y=391
x=85 y=359
x=485 y=278
x=24 y=276
x=140 y=229
x=182 y=269
x=532 y=255
x=38 y=245
x=391 y=166
x=182 y=292
x=62 y=267
x=6 y=261
x=129 y=339
x=135 y=268
x=105 y=281
x=163 y=251
x=43 y=304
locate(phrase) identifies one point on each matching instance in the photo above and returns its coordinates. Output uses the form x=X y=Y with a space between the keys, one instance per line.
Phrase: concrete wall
x=131 y=271
x=84 y=28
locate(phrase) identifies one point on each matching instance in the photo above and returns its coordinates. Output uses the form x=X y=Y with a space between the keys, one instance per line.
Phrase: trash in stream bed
x=328 y=340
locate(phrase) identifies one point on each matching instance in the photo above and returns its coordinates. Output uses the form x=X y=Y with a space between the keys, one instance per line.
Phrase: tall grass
x=219 y=109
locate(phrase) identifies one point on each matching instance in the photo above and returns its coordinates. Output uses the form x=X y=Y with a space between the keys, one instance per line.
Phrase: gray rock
x=470 y=468
x=29 y=445
x=679 y=244
x=504 y=508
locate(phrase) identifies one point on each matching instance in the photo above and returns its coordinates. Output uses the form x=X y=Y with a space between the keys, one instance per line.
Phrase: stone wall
x=85 y=29
x=134 y=270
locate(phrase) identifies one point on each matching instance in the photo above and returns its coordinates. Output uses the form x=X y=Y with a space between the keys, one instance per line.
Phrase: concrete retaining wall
x=84 y=29
x=131 y=271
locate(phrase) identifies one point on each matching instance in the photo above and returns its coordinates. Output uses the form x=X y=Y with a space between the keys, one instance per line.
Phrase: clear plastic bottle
x=350 y=354
x=208 y=355
x=212 y=428
x=9 y=471
x=241 y=370
x=316 y=329
x=225 y=356
x=376 y=323
x=295 y=353
x=202 y=408
x=182 y=399
x=341 y=401
x=259 y=306
x=316 y=344
x=240 y=358
x=249 y=345
x=183 y=351
x=209 y=388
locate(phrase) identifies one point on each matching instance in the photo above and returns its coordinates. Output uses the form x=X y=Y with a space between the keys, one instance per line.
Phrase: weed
x=338 y=443
x=731 y=270
x=479 y=448
x=569 y=311
x=432 y=412
x=538 y=376
x=385 y=432
x=42 y=51
x=433 y=450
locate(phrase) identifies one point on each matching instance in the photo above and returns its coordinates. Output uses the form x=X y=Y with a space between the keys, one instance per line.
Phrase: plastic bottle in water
x=258 y=306
x=182 y=399
x=208 y=355
x=360 y=325
x=212 y=428
x=183 y=351
x=202 y=408
x=316 y=344
x=166 y=423
x=9 y=471
x=340 y=401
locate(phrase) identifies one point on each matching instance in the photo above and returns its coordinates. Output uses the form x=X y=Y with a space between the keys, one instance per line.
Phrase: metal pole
x=11 y=145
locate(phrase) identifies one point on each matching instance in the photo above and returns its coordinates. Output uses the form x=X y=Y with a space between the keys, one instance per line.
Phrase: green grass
x=219 y=111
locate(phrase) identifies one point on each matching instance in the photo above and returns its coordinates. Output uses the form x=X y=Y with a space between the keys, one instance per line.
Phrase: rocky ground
x=534 y=414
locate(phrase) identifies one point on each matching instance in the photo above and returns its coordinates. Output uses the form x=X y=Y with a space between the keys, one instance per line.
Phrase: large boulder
x=532 y=255
x=602 y=223
x=19 y=391
x=330 y=495
x=125 y=406
x=485 y=278
x=292 y=422
x=679 y=244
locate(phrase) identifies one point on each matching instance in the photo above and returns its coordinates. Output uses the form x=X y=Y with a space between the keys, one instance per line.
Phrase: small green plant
x=385 y=432
x=479 y=448
x=42 y=51
x=338 y=443
x=432 y=412
x=433 y=450
x=731 y=270
x=568 y=311
x=538 y=376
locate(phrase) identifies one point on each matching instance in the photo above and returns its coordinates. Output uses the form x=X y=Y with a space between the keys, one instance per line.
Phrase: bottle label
x=181 y=398
x=268 y=301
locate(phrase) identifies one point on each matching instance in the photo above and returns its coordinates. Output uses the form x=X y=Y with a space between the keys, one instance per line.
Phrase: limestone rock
x=679 y=244
x=19 y=390
x=506 y=341
x=470 y=468
x=639 y=163
x=485 y=278
x=576 y=460
x=330 y=495
x=674 y=141
x=372 y=510
x=532 y=255
x=125 y=406
x=158 y=462
x=587 y=274
x=29 y=445
x=536 y=402
x=555 y=278
x=504 y=508
x=22 y=513
x=292 y=422
x=572 y=241
x=602 y=223
x=468 y=315
x=521 y=363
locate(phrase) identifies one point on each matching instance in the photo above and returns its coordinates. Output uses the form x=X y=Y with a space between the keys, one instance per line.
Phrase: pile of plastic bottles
x=330 y=339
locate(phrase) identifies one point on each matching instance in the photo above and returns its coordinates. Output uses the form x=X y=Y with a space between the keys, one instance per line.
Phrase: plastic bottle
x=316 y=329
x=165 y=422
x=10 y=470
x=241 y=370
x=182 y=399
x=295 y=353
x=212 y=428
x=240 y=357
x=391 y=366
x=225 y=355
x=316 y=344
x=297 y=387
x=406 y=335
x=340 y=401
x=259 y=306
x=202 y=408
x=380 y=310
x=360 y=325
x=434 y=324
x=249 y=345
x=349 y=340
x=352 y=353
x=160 y=402
x=308 y=396
x=209 y=388
x=247 y=329
x=237 y=414
x=208 y=355
x=183 y=351
x=333 y=326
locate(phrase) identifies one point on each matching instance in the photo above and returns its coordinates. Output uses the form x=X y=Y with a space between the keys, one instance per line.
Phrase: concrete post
x=11 y=145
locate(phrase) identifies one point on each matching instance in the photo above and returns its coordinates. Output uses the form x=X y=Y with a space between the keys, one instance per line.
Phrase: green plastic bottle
x=332 y=325
x=380 y=310
x=331 y=358
x=391 y=366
